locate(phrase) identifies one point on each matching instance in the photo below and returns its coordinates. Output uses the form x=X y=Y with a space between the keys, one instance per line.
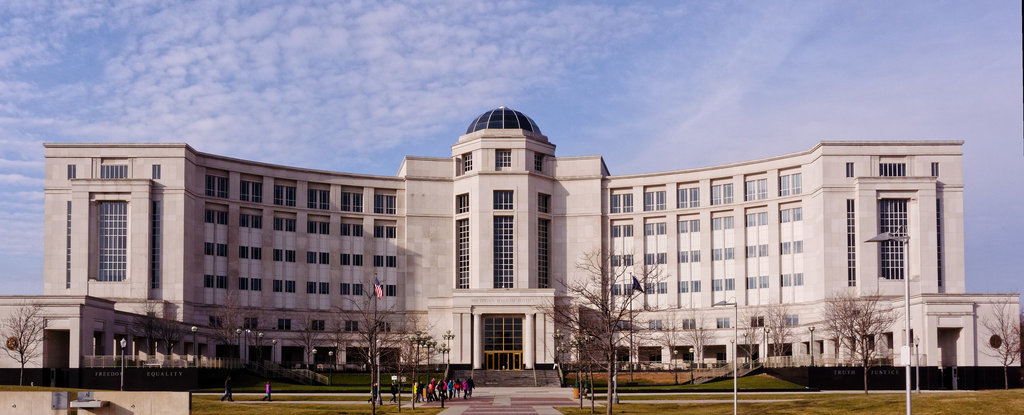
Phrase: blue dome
x=503 y=118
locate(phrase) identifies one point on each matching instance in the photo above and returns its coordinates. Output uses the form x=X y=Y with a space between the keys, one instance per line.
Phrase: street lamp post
x=238 y=333
x=195 y=346
x=811 y=349
x=259 y=347
x=905 y=350
x=314 y=358
x=246 y=349
x=448 y=336
x=917 y=357
x=330 y=380
x=122 y=343
x=273 y=345
x=735 y=337
x=767 y=345
x=746 y=345
x=675 y=364
x=693 y=357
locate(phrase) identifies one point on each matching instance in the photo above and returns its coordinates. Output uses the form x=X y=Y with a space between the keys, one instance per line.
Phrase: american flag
x=377 y=288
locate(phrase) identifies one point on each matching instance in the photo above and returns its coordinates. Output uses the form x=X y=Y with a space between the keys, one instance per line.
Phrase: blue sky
x=355 y=86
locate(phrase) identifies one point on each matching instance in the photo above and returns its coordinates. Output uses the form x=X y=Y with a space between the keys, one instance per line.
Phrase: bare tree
x=226 y=320
x=312 y=334
x=754 y=320
x=780 y=329
x=696 y=333
x=671 y=336
x=1005 y=341
x=23 y=330
x=146 y=325
x=598 y=313
x=856 y=322
x=377 y=330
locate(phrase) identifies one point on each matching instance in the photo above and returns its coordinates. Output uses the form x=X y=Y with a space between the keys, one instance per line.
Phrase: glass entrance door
x=503 y=342
x=504 y=360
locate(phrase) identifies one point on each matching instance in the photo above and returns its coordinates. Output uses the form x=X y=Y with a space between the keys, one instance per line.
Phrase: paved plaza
x=509 y=401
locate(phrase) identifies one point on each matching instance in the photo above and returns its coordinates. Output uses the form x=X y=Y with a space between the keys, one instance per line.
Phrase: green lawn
x=980 y=402
x=211 y=407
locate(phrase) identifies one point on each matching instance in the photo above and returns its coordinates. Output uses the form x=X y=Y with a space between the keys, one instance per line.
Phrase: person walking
x=471 y=385
x=267 y=397
x=374 y=392
x=394 y=392
x=465 y=389
x=227 y=390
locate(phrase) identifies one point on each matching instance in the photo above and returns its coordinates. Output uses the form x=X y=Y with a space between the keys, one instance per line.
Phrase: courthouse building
x=479 y=243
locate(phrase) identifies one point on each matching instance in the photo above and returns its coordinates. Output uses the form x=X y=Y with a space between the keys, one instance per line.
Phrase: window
x=289 y=286
x=654 y=200
x=243 y=283
x=156 y=172
x=317 y=325
x=725 y=222
x=154 y=244
x=786 y=280
x=357 y=289
x=851 y=244
x=278 y=286
x=757 y=321
x=538 y=162
x=684 y=286
x=120 y=171
x=784 y=248
x=751 y=283
x=284 y=324
x=72 y=171
x=790 y=184
x=216 y=321
x=684 y=257
x=503 y=252
x=689 y=323
x=207 y=281
x=310 y=257
x=935 y=169
x=250 y=323
x=284 y=224
x=622 y=231
x=849 y=169
x=345 y=289
x=462 y=250
x=390 y=290
x=467 y=162
x=502 y=158
x=324 y=288
x=764 y=281
x=798 y=279
x=689 y=197
x=250 y=191
x=216 y=186
x=654 y=325
x=755 y=189
x=717 y=285
x=543 y=203
x=216 y=217
x=357 y=260
x=893 y=219
x=730 y=284
x=250 y=221
x=284 y=195
x=382 y=231
x=621 y=203
x=792 y=320
x=503 y=200
x=384 y=204
x=462 y=203
x=351 y=202
x=938 y=241
x=723 y=323
x=222 y=281
x=351 y=325
x=721 y=194
x=662 y=287
x=113 y=241
x=695 y=286
x=318 y=199
x=892 y=169
x=654 y=229
x=543 y=226
x=310 y=287
x=318 y=227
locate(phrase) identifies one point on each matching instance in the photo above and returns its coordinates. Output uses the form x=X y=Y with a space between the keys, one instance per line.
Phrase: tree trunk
x=865 y=378
x=21 y=374
x=1006 y=379
x=610 y=392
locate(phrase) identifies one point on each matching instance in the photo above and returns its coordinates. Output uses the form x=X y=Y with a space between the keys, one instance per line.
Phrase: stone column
x=529 y=341
x=478 y=341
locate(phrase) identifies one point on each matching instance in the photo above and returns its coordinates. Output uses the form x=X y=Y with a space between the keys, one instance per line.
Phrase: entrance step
x=509 y=378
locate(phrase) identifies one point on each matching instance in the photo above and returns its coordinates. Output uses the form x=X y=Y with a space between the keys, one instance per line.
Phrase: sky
x=355 y=86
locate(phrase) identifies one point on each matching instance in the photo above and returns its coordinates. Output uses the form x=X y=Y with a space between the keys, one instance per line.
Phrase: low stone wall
x=142 y=403
x=27 y=403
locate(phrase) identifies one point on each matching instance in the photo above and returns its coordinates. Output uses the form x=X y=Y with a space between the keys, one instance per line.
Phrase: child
x=267 y=398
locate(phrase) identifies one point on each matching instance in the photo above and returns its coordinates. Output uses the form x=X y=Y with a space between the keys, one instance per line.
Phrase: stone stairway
x=509 y=378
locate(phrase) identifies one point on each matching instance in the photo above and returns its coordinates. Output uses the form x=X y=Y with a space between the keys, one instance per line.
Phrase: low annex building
x=481 y=242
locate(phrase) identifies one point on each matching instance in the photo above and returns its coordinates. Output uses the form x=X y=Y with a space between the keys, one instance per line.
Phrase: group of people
x=440 y=389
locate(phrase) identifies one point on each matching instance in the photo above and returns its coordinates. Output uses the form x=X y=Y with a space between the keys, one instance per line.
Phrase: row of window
x=719 y=223
x=288 y=225
x=288 y=286
x=288 y=255
x=251 y=191
x=720 y=194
